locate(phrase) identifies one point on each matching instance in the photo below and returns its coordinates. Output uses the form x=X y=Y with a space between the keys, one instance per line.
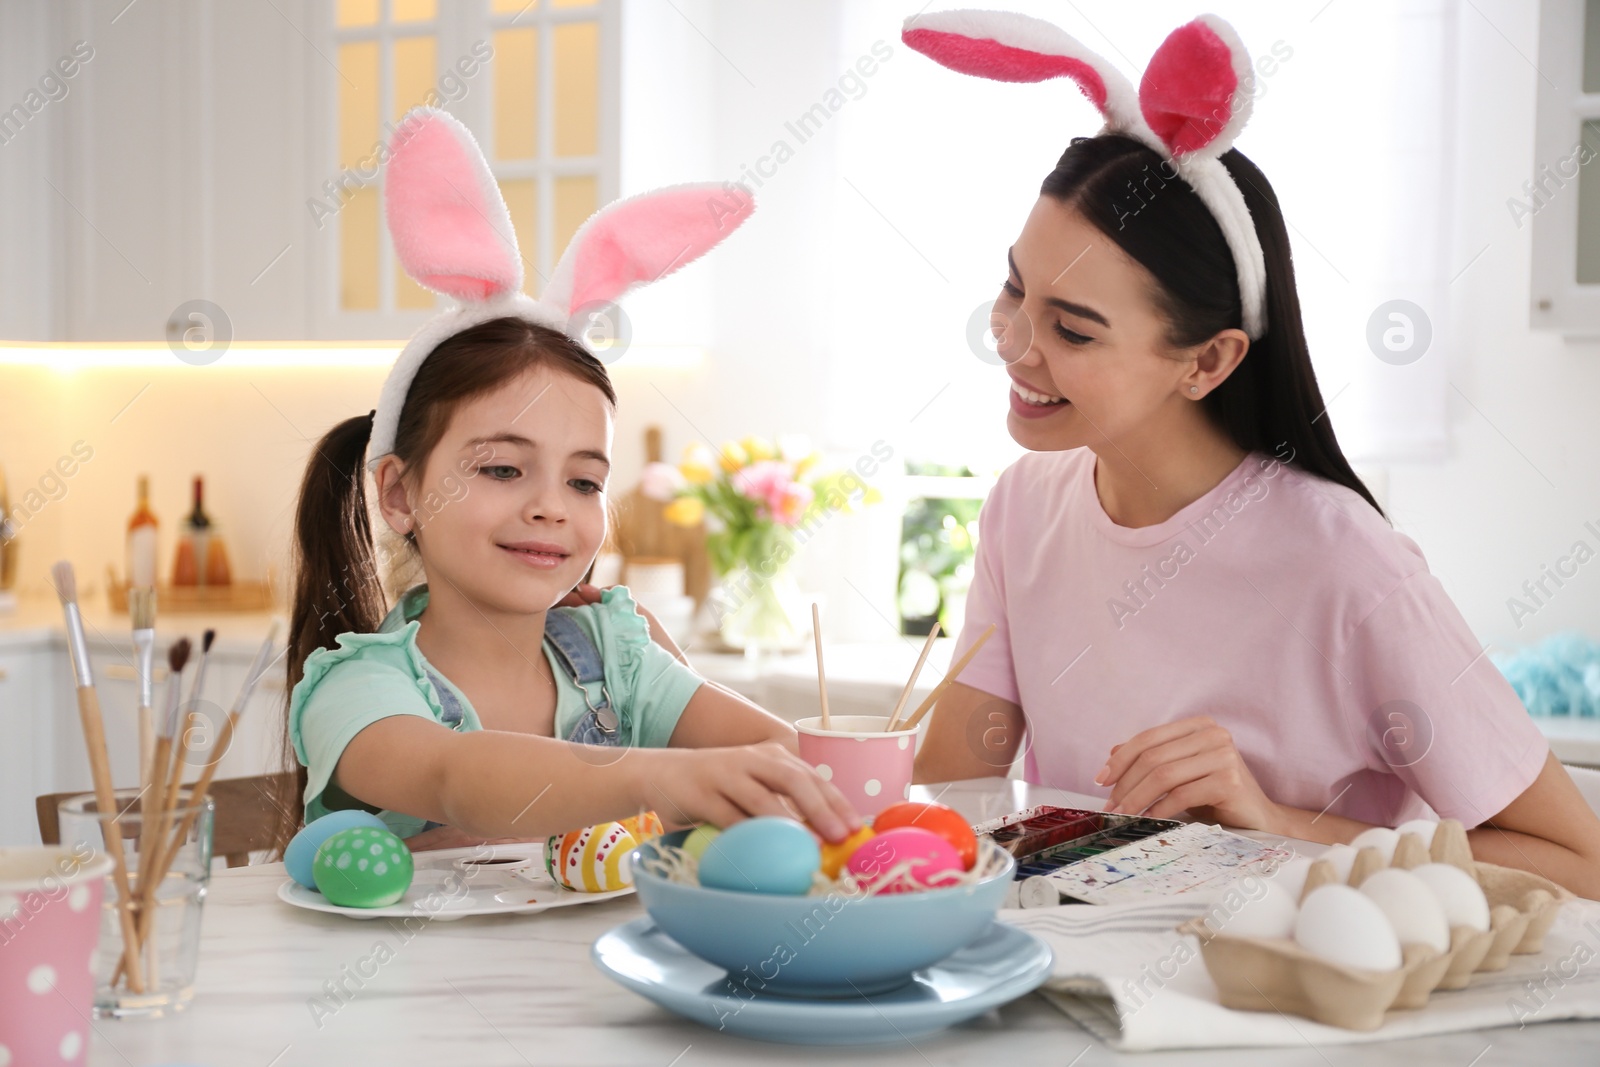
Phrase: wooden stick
x=157 y=809
x=911 y=683
x=822 y=675
x=949 y=679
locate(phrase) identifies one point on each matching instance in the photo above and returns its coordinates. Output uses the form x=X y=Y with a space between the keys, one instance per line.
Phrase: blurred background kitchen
x=195 y=284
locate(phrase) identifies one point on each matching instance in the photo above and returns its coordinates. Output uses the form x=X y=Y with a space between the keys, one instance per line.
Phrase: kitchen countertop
x=521 y=990
x=865 y=673
x=39 y=619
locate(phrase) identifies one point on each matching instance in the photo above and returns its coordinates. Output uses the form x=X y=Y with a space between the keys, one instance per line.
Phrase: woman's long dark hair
x=338 y=587
x=1271 y=400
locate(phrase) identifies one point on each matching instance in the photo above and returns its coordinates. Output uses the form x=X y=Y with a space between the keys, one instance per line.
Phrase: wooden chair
x=244 y=820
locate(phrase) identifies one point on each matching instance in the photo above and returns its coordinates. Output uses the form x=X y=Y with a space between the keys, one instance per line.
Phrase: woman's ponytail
x=337 y=588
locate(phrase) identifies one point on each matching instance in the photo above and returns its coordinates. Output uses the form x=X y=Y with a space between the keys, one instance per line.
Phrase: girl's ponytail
x=337 y=587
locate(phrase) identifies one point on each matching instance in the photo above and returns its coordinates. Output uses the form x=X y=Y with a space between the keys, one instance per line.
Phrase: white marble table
x=521 y=990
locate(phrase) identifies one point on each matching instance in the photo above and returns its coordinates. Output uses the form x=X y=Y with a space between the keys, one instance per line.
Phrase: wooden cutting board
x=643 y=532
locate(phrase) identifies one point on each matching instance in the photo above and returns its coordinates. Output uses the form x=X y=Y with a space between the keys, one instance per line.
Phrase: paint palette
x=1072 y=855
x=1047 y=838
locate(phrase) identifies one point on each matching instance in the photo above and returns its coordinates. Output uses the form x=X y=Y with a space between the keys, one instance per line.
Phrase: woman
x=1197 y=604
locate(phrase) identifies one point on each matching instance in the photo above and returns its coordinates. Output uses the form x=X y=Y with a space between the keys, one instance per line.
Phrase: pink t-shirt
x=1280 y=604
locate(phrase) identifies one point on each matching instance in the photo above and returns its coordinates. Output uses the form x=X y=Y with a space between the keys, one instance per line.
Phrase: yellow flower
x=733 y=456
x=696 y=465
x=685 y=511
x=806 y=463
x=759 y=449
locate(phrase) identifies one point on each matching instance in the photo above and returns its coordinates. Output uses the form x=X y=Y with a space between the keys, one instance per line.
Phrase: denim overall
x=580 y=659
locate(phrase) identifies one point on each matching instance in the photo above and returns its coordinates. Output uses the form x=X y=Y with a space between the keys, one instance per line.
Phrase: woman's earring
x=1194 y=388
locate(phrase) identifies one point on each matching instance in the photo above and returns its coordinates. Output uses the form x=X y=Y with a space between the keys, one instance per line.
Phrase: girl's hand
x=1191 y=765
x=723 y=786
x=450 y=837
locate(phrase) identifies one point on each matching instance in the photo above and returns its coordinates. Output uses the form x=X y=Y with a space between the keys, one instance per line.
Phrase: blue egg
x=763 y=855
x=303 y=847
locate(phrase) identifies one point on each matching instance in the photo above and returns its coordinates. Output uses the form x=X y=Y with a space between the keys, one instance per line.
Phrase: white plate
x=441 y=889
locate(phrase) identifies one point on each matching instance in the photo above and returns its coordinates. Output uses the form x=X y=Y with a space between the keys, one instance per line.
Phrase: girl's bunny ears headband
x=453 y=235
x=1192 y=102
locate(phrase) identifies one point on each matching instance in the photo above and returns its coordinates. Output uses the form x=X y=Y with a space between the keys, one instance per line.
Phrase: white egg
x=1340 y=925
x=1423 y=828
x=1341 y=856
x=1269 y=913
x=1379 y=837
x=1459 y=892
x=1291 y=876
x=1413 y=909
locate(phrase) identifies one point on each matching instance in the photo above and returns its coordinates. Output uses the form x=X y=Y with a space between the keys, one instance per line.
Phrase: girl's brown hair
x=338 y=586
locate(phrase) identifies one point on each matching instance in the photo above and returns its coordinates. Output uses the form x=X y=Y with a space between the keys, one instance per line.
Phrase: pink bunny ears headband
x=453 y=235
x=1192 y=102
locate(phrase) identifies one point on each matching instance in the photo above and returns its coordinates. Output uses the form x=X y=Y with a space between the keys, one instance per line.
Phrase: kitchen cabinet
x=41 y=737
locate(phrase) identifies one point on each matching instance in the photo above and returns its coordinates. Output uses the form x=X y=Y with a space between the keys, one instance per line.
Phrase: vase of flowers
x=760 y=501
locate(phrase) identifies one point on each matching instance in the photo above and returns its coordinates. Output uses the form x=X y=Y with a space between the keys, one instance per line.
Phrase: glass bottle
x=142 y=530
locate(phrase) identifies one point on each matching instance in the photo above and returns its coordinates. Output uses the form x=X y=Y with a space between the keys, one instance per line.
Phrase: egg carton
x=1271 y=974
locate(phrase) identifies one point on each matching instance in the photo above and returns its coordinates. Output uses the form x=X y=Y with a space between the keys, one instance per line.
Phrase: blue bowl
x=817 y=946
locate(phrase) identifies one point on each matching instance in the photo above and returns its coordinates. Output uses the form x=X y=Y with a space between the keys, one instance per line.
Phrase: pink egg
x=931 y=857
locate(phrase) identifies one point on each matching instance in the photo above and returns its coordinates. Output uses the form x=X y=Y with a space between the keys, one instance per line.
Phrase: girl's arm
x=716 y=715
x=490 y=784
x=971 y=734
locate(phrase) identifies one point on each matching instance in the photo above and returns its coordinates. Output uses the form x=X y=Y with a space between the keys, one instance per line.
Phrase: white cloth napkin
x=1126 y=975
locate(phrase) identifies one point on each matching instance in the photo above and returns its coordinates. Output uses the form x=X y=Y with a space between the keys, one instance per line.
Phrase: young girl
x=475 y=708
x=1197 y=604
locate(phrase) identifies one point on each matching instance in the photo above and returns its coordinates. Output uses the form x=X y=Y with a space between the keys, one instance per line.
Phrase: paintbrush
x=94 y=738
x=157 y=812
x=142 y=613
x=258 y=667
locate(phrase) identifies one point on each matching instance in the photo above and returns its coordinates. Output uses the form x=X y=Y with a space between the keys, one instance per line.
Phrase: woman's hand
x=584 y=594
x=1191 y=765
x=723 y=786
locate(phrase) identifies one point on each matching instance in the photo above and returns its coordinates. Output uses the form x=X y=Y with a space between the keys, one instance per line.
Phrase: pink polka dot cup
x=871 y=768
x=49 y=935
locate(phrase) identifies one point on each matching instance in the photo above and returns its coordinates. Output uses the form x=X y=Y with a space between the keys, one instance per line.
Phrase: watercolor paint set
x=1073 y=855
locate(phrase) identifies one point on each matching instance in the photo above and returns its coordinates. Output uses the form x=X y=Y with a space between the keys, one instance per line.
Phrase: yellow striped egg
x=591 y=860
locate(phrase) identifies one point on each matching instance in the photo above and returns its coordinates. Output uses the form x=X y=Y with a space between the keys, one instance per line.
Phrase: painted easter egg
x=935 y=818
x=643 y=826
x=699 y=839
x=932 y=860
x=363 y=867
x=591 y=860
x=768 y=854
x=302 y=850
x=834 y=857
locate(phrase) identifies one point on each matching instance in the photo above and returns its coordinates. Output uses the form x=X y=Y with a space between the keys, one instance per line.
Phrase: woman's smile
x=1034 y=405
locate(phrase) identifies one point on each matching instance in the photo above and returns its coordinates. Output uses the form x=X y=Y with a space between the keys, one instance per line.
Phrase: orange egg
x=834 y=856
x=936 y=818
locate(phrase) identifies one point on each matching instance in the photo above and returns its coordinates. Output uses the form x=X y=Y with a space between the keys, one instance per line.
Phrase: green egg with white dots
x=363 y=867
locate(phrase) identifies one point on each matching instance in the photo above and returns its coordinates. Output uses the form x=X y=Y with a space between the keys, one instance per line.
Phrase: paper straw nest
x=673 y=864
x=1262 y=974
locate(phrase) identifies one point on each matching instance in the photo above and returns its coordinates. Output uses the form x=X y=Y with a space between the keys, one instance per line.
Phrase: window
x=1561 y=201
x=535 y=82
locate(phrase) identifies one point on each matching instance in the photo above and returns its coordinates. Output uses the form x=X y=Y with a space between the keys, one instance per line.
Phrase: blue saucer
x=1003 y=963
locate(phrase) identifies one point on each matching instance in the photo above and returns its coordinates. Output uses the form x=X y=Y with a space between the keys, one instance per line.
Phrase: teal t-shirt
x=372 y=676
